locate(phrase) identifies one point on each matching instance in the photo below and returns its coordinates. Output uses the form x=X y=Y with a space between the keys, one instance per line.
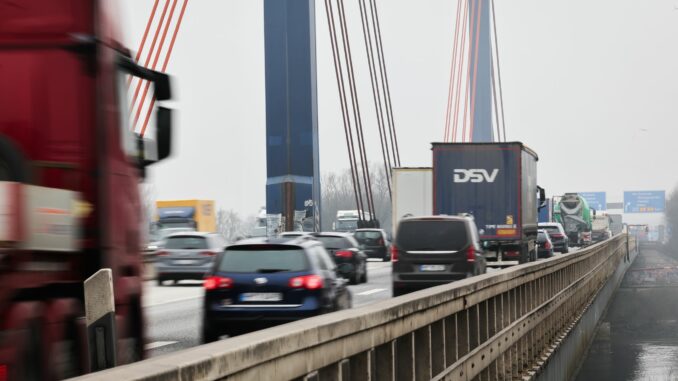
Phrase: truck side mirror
x=542 y=197
x=162 y=87
x=164 y=132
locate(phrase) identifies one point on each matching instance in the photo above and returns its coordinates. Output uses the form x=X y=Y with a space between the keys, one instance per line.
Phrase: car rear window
x=541 y=237
x=186 y=243
x=367 y=235
x=551 y=229
x=331 y=242
x=432 y=235
x=263 y=261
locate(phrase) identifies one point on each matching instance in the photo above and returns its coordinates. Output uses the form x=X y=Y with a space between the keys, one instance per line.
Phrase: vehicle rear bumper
x=235 y=319
x=375 y=252
x=419 y=281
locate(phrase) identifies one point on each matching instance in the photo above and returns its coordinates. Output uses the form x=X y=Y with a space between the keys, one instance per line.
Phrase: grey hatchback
x=187 y=255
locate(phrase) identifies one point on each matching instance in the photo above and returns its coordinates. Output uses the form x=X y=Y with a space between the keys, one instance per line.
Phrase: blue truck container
x=497 y=184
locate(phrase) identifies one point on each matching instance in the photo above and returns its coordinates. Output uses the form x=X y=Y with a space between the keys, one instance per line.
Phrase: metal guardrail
x=499 y=326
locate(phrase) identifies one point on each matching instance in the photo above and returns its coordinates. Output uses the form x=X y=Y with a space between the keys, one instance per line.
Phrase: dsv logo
x=474 y=175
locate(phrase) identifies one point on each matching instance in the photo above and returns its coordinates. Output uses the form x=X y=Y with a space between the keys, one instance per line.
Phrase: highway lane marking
x=159 y=344
x=171 y=301
x=372 y=291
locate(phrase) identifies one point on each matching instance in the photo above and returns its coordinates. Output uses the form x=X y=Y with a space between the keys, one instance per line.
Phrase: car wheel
x=398 y=292
x=363 y=279
x=567 y=250
x=355 y=278
x=159 y=281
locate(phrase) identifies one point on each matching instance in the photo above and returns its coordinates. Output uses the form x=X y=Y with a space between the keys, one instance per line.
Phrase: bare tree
x=337 y=194
x=230 y=225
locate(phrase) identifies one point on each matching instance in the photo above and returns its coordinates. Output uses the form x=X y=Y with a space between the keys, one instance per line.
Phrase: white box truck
x=412 y=193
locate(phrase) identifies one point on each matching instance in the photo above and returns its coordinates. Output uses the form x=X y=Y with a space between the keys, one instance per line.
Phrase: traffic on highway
x=275 y=175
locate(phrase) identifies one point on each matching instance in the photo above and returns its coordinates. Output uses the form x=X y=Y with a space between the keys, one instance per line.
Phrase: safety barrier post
x=100 y=316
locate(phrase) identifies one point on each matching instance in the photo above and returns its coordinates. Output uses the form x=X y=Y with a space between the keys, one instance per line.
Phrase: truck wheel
x=13 y=165
x=355 y=278
x=524 y=255
x=31 y=357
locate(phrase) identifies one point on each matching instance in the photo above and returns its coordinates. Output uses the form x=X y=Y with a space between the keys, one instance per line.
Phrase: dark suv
x=345 y=250
x=261 y=282
x=557 y=235
x=430 y=251
x=374 y=243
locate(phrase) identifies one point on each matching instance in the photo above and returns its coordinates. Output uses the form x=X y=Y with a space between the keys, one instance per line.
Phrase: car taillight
x=344 y=254
x=394 y=254
x=161 y=253
x=309 y=282
x=547 y=245
x=208 y=253
x=215 y=282
x=380 y=242
x=3 y=372
x=471 y=254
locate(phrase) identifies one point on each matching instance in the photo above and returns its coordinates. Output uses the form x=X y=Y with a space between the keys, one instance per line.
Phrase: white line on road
x=159 y=303
x=372 y=291
x=158 y=344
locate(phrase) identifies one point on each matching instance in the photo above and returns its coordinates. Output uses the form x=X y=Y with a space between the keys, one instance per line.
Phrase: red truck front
x=70 y=167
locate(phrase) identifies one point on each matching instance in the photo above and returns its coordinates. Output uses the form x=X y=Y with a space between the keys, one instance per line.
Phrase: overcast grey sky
x=592 y=86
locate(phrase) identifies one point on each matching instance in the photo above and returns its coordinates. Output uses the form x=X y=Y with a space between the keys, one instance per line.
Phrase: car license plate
x=432 y=267
x=184 y=262
x=261 y=297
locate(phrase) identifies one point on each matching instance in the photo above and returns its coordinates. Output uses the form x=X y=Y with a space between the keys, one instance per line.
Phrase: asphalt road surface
x=174 y=312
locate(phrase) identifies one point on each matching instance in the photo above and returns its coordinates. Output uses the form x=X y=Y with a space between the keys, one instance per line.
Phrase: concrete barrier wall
x=498 y=326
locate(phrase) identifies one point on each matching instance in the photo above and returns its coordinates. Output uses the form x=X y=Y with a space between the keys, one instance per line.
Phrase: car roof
x=303 y=241
x=190 y=233
x=332 y=234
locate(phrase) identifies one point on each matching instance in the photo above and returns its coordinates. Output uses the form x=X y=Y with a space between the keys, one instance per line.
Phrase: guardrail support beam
x=405 y=357
x=384 y=362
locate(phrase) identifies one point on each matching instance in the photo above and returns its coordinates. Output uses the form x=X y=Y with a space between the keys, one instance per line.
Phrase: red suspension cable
x=155 y=61
x=143 y=39
x=468 y=71
x=164 y=65
x=475 y=72
x=148 y=58
x=460 y=66
x=453 y=62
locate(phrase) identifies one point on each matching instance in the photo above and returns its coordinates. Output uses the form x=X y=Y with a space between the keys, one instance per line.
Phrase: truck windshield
x=600 y=223
x=432 y=235
x=346 y=225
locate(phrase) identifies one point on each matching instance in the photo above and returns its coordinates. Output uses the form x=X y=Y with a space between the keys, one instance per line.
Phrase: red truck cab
x=70 y=167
